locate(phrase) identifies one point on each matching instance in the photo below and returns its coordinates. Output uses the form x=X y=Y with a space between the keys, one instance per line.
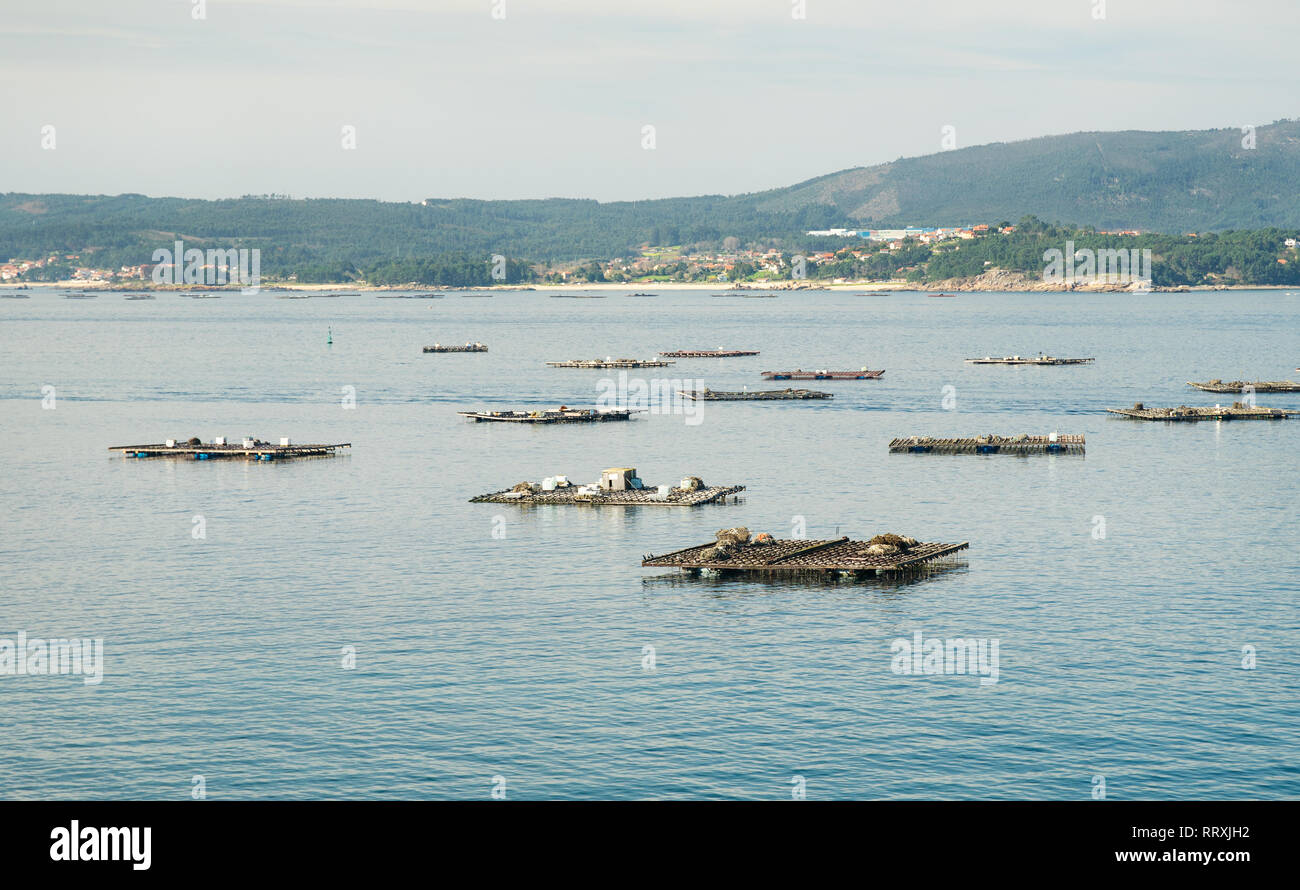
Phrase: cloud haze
x=551 y=100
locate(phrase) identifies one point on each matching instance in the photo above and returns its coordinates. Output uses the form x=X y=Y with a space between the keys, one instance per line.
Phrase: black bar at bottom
x=669 y=839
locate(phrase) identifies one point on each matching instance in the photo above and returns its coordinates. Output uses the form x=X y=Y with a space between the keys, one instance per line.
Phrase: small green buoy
x=329 y=338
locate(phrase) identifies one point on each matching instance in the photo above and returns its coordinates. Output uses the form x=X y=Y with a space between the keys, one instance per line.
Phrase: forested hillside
x=1176 y=182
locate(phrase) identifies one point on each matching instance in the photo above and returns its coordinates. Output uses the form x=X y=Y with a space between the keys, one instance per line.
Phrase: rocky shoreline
x=994 y=281
x=1003 y=281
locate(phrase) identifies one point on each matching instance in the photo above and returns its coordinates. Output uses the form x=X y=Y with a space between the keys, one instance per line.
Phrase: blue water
x=519 y=654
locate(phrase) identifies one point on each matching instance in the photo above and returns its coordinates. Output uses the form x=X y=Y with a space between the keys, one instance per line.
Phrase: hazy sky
x=551 y=100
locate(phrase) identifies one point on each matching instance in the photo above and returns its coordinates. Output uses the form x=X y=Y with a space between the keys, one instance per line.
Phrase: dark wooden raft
x=564 y=415
x=768 y=395
x=1031 y=360
x=794 y=556
x=708 y=353
x=1240 y=386
x=646 y=497
x=801 y=374
x=468 y=347
x=1021 y=444
x=1184 y=413
x=210 y=451
x=612 y=363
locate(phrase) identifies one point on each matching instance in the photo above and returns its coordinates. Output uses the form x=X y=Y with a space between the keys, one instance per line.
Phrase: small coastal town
x=17 y=270
x=983 y=256
x=770 y=263
x=667 y=263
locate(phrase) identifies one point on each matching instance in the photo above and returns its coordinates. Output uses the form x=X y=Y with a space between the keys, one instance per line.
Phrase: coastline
x=999 y=283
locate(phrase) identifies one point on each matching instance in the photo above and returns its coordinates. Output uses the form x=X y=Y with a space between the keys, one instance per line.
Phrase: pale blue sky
x=449 y=101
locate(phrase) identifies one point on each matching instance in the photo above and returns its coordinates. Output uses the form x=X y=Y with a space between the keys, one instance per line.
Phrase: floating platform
x=1022 y=444
x=1238 y=411
x=248 y=449
x=1240 y=386
x=769 y=395
x=1039 y=359
x=709 y=353
x=563 y=415
x=612 y=363
x=468 y=347
x=801 y=374
x=802 y=556
x=692 y=493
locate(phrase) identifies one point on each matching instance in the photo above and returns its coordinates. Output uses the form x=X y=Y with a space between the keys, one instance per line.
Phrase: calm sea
x=1128 y=590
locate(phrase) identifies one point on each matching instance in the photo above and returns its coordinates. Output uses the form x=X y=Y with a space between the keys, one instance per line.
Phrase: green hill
x=1168 y=182
x=1202 y=180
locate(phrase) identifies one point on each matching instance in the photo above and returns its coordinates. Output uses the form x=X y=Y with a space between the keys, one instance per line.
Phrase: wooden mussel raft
x=468 y=347
x=618 y=487
x=708 y=353
x=990 y=444
x=1247 y=385
x=612 y=363
x=1039 y=359
x=736 y=551
x=1184 y=413
x=563 y=414
x=247 y=448
x=767 y=395
x=801 y=374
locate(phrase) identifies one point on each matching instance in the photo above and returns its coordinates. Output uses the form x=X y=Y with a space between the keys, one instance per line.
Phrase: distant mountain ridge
x=1174 y=182
x=1184 y=181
